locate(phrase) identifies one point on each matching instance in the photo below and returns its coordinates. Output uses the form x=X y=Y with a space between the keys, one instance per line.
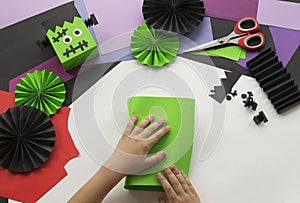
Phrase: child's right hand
x=179 y=188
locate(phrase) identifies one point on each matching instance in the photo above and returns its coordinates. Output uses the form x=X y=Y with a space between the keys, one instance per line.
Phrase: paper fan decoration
x=42 y=90
x=153 y=47
x=180 y=16
x=27 y=138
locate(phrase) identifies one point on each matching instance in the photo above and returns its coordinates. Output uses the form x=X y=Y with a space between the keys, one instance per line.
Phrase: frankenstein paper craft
x=27 y=138
x=153 y=47
x=30 y=188
x=18 y=51
x=73 y=43
x=180 y=16
x=178 y=144
x=42 y=90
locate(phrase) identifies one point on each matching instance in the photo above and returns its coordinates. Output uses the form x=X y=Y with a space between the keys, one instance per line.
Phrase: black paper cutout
x=81 y=83
x=27 y=138
x=180 y=16
x=3 y=200
x=293 y=1
x=220 y=92
x=275 y=80
x=235 y=72
x=19 y=51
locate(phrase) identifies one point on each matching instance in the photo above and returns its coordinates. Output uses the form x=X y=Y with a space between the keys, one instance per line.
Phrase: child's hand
x=131 y=152
x=179 y=188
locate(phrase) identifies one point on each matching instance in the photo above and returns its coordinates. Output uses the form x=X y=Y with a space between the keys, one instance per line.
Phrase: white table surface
x=244 y=163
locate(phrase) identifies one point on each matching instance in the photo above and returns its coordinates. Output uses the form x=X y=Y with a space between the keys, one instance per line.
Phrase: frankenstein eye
x=77 y=32
x=67 y=39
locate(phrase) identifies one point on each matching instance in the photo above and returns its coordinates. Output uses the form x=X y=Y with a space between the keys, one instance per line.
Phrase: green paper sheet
x=178 y=143
x=231 y=52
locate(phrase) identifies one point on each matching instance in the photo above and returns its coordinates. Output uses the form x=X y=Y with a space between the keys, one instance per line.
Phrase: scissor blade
x=204 y=46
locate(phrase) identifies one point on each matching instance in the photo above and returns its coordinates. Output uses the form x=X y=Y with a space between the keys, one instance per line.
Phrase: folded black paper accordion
x=276 y=81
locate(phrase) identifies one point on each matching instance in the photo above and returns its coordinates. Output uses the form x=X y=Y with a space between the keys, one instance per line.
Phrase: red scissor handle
x=252 y=41
x=246 y=25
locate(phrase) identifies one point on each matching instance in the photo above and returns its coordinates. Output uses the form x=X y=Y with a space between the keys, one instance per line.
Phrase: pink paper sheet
x=231 y=9
x=279 y=13
x=116 y=18
x=13 y=11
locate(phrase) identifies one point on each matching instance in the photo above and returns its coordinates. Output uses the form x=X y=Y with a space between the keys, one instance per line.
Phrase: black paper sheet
x=19 y=51
x=3 y=200
x=78 y=85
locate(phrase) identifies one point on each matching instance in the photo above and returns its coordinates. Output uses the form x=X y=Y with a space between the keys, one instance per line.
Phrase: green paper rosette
x=41 y=89
x=154 y=47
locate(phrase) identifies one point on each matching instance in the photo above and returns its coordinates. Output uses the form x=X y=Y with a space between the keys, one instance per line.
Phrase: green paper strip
x=178 y=143
x=152 y=47
x=231 y=52
x=41 y=89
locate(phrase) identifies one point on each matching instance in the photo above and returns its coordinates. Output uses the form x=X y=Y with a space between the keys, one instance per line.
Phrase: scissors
x=244 y=34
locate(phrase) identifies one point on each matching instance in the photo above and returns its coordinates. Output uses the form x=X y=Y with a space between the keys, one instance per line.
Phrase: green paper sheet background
x=178 y=143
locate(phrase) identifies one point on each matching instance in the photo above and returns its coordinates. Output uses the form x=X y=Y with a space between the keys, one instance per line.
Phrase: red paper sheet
x=32 y=186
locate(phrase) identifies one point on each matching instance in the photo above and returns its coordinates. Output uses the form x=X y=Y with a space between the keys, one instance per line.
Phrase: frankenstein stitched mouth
x=81 y=46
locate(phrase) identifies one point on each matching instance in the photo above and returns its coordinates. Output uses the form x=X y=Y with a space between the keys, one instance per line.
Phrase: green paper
x=178 y=143
x=41 y=89
x=154 y=47
x=80 y=47
x=231 y=52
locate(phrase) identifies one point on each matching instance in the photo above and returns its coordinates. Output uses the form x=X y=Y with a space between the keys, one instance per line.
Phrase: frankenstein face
x=73 y=43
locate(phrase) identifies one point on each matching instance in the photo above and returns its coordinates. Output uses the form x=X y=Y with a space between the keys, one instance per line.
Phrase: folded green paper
x=234 y=53
x=178 y=143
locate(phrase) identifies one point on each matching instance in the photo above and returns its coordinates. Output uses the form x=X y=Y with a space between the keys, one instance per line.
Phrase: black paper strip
x=293 y=1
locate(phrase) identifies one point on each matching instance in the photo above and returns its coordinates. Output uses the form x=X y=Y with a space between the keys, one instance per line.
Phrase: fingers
x=158 y=135
x=154 y=159
x=161 y=200
x=167 y=187
x=174 y=181
x=130 y=125
x=142 y=125
x=187 y=180
x=152 y=128
x=181 y=179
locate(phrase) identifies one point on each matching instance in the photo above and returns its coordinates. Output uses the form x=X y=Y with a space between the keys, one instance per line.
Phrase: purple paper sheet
x=250 y=55
x=279 y=13
x=13 y=11
x=286 y=42
x=52 y=65
x=231 y=9
x=116 y=17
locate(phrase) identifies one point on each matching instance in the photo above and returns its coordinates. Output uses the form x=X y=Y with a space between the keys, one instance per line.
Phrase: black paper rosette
x=27 y=138
x=180 y=16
